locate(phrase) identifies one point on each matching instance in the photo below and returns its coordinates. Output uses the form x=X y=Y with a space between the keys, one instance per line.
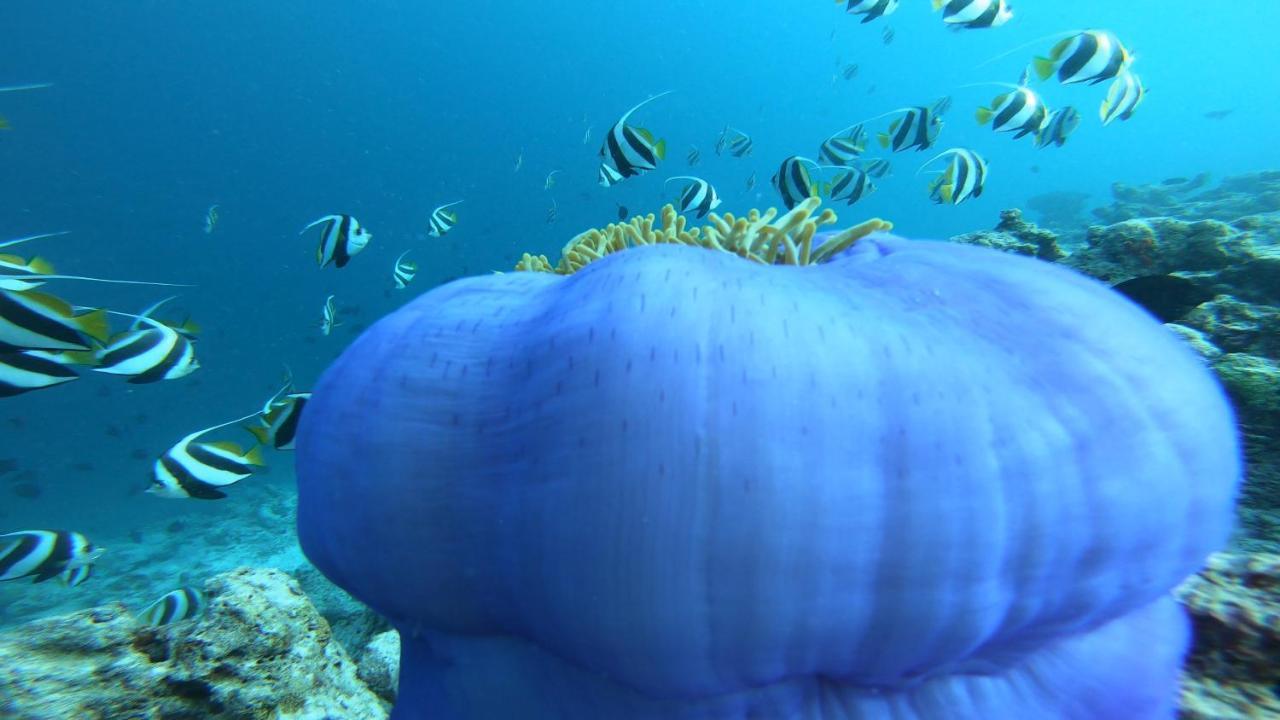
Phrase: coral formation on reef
x=259 y=650
x=1232 y=673
x=1016 y=235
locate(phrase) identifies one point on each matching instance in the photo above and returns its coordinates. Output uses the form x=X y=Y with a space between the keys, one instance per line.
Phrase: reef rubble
x=260 y=650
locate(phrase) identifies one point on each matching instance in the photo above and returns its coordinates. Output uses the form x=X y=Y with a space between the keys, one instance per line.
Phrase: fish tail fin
x=937 y=4
x=94 y=324
x=1043 y=67
x=260 y=433
x=883 y=139
x=660 y=149
x=983 y=115
x=4 y=123
x=88 y=358
x=254 y=456
x=947 y=192
x=1102 y=111
x=41 y=266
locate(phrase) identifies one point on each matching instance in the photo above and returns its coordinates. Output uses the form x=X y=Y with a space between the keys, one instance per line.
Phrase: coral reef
x=260 y=650
x=1233 y=198
x=1016 y=235
x=1232 y=671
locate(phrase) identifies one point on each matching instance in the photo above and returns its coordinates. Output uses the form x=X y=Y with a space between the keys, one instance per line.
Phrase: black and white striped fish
x=176 y=606
x=404 y=271
x=877 y=168
x=793 y=181
x=632 y=150
x=33 y=320
x=192 y=469
x=698 y=196
x=917 y=128
x=870 y=9
x=27 y=370
x=149 y=354
x=328 y=317
x=974 y=14
x=44 y=554
x=694 y=155
x=964 y=178
x=850 y=185
x=608 y=176
x=1019 y=111
x=1058 y=128
x=1090 y=56
x=341 y=238
x=442 y=220
x=843 y=147
x=1123 y=97
x=738 y=143
x=277 y=424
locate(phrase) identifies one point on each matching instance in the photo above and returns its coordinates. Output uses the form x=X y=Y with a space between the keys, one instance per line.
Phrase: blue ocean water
x=282 y=112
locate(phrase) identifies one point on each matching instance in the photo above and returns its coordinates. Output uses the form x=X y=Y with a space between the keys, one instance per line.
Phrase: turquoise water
x=282 y=112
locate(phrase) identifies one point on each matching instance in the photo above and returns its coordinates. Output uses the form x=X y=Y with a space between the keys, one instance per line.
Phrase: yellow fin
x=983 y=115
x=1043 y=67
x=254 y=456
x=226 y=445
x=260 y=433
x=4 y=123
x=41 y=266
x=94 y=324
x=947 y=192
x=884 y=139
x=937 y=4
x=660 y=149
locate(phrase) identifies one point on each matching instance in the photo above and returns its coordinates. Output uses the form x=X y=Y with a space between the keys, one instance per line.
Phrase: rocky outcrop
x=1232 y=671
x=259 y=651
x=1016 y=235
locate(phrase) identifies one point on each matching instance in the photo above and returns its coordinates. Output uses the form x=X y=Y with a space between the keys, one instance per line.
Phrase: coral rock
x=1235 y=608
x=380 y=664
x=260 y=650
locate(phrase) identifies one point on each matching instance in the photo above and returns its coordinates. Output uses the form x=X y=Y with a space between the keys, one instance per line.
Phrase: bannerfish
x=887 y=35
x=210 y=219
x=27 y=370
x=964 y=178
x=632 y=150
x=877 y=168
x=870 y=9
x=917 y=128
x=973 y=14
x=442 y=219
x=150 y=354
x=44 y=554
x=278 y=423
x=850 y=185
x=403 y=271
x=793 y=181
x=176 y=606
x=1058 y=128
x=1019 y=111
x=341 y=238
x=694 y=156
x=850 y=71
x=622 y=212
x=1090 y=56
x=698 y=196
x=738 y=143
x=751 y=182
x=328 y=317
x=608 y=176
x=550 y=181
x=192 y=469
x=33 y=320
x=1123 y=97
x=843 y=147
x=552 y=212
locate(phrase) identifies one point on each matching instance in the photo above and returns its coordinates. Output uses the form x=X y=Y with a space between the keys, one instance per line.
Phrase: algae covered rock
x=1232 y=671
x=1239 y=327
x=259 y=651
x=1016 y=235
x=1153 y=246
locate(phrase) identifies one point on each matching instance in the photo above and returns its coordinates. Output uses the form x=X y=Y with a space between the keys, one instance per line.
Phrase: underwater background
x=282 y=112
